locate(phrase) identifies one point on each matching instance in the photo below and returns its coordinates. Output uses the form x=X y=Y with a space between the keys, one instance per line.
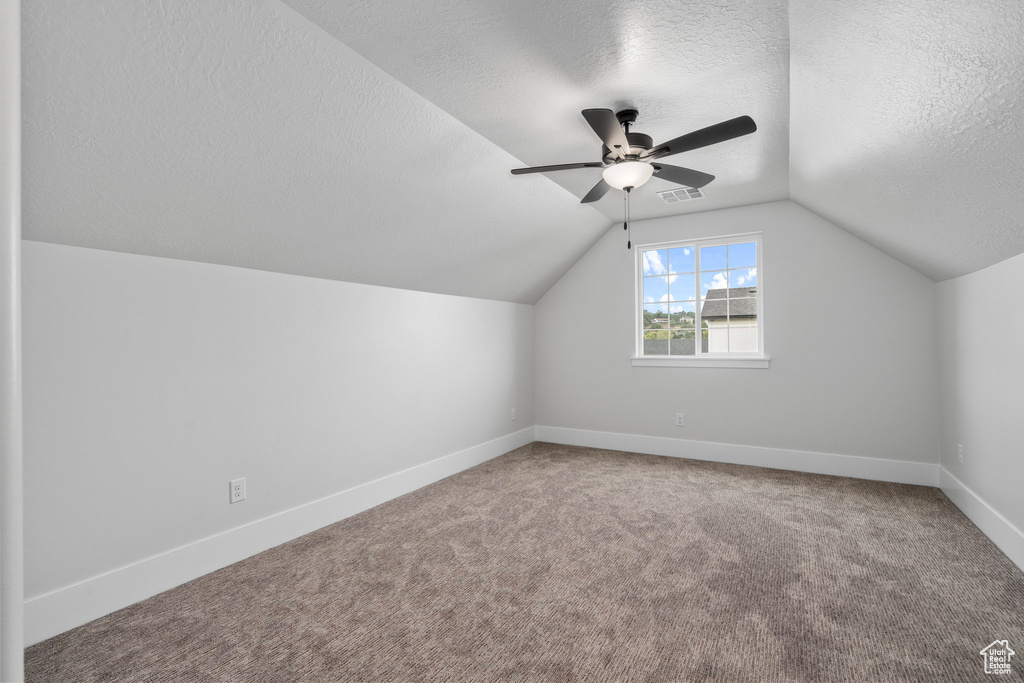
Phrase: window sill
x=704 y=362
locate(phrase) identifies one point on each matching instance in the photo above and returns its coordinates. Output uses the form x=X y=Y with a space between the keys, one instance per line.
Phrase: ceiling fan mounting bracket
x=627 y=117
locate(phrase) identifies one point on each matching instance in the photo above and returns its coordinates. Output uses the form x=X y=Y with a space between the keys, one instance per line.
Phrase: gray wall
x=981 y=356
x=849 y=331
x=150 y=382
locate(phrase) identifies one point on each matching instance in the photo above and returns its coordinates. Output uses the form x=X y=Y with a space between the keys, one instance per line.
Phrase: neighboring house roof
x=741 y=303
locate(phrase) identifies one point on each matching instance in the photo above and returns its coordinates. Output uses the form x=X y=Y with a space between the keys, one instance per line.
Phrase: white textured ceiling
x=237 y=132
x=907 y=128
x=372 y=142
x=520 y=73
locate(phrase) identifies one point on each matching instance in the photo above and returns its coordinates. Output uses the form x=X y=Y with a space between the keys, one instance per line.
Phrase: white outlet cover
x=236 y=490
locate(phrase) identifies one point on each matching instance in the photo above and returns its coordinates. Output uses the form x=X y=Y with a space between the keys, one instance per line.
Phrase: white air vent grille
x=681 y=194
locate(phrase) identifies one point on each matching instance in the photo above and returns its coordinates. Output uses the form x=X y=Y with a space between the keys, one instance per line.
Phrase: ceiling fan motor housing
x=638 y=142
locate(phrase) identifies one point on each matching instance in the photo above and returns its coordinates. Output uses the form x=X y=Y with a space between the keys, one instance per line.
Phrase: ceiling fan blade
x=720 y=132
x=557 y=167
x=607 y=126
x=596 y=192
x=683 y=176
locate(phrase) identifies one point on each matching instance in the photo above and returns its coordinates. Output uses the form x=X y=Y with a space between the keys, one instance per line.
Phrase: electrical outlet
x=236 y=488
x=679 y=419
x=513 y=414
x=960 y=452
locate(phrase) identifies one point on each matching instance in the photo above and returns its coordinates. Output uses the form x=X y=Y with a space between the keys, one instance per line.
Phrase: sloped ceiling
x=907 y=128
x=239 y=133
x=372 y=142
x=520 y=73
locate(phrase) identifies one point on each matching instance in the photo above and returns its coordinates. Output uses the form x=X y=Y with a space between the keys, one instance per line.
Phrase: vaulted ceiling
x=372 y=142
x=906 y=126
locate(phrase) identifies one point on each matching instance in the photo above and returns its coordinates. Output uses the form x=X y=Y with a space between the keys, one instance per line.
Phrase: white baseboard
x=1000 y=530
x=71 y=606
x=877 y=469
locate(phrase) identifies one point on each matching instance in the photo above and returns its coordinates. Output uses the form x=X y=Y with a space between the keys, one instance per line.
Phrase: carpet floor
x=559 y=563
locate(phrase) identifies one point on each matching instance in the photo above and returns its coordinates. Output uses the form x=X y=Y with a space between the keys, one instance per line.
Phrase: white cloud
x=664 y=298
x=750 y=276
x=718 y=282
x=653 y=264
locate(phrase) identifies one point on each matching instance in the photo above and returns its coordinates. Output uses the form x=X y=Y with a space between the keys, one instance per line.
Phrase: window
x=699 y=303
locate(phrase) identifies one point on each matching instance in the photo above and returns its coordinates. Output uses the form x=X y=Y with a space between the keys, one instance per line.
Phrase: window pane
x=656 y=343
x=680 y=287
x=714 y=307
x=656 y=317
x=743 y=336
x=655 y=290
x=682 y=315
x=717 y=334
x=743 y=325
x=742 y=308
x=743 y=277
x=713 y=280
x=680 y=260
x=655 y=262
x=743 y=255
x=713 y=258
x=682 y=343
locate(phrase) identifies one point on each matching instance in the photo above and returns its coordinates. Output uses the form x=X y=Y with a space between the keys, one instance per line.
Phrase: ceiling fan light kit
x=627 y=174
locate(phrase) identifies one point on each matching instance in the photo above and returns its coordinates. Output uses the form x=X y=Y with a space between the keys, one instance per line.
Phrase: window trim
x=699 y=359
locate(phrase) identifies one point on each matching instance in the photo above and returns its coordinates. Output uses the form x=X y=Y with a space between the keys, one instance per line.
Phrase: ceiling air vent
x=681 y=194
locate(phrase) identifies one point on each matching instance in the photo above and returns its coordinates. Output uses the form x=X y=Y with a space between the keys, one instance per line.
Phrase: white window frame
x=699 y=359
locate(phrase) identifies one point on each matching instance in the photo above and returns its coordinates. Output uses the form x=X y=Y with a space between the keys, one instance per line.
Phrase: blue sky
x=668 y=273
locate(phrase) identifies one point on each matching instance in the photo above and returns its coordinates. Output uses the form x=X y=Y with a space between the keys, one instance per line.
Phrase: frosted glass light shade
x=628 y=174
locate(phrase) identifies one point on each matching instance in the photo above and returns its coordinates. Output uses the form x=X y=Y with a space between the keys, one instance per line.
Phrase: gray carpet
x=558 y=563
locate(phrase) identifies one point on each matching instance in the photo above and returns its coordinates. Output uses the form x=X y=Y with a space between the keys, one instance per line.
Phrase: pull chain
x=625 y=211
x=625 y=223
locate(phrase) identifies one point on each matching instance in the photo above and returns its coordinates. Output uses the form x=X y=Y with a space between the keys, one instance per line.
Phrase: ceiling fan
x=630 y=159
